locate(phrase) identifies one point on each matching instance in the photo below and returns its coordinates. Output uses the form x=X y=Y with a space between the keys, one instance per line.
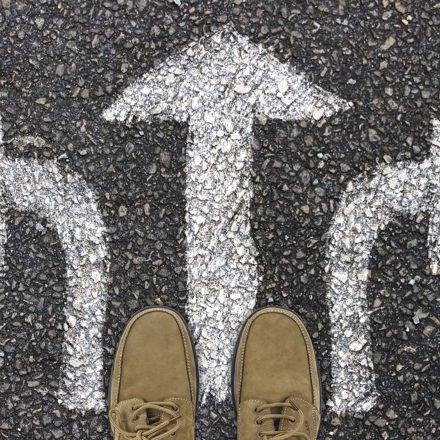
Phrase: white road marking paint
x=217 y=85
x=366 y=207
x=3 y=209
x=68 y=204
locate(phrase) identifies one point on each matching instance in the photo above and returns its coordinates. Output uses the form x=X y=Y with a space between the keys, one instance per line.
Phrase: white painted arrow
x=366 y=207
x=217 y=85
x=67 y=202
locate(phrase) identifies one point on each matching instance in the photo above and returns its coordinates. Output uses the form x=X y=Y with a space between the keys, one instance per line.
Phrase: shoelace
x=280 y=435
x=157 y=430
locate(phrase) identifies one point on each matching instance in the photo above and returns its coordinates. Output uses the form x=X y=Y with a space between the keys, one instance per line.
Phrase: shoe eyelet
x=256 y=409
x=259 y=421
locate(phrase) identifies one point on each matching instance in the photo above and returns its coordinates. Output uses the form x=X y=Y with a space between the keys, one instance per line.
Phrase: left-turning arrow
x=217 y=85
x=67 y=202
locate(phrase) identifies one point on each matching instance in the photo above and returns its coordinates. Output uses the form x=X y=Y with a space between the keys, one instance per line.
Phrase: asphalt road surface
x=216 y=157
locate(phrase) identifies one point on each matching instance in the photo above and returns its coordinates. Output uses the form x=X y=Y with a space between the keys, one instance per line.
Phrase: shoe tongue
x=127 y=421
x=269 y=424
x=301 y=411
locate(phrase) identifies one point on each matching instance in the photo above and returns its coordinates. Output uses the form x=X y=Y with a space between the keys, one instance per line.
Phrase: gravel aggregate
x=64 y=63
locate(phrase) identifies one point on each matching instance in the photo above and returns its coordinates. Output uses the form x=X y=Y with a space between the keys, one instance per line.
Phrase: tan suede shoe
x=154 y=385
x=276 y=384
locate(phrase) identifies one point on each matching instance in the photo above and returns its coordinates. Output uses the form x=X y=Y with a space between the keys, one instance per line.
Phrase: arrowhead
x=228 y=73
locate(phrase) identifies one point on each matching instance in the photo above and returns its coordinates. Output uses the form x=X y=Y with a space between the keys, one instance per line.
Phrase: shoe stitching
x=126 y=333
x=290 y=315
x=306 y=338
x=183 y=333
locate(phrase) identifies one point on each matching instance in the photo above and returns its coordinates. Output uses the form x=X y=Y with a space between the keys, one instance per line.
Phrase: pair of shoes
x=154 y=385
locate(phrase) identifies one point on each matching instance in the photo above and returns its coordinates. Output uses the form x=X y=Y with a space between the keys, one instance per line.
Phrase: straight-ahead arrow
x=217 y=85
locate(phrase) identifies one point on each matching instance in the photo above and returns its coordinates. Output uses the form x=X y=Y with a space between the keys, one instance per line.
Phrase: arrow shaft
x=222 y=269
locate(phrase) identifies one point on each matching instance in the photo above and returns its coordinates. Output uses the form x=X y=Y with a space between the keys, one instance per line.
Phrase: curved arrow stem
x=366 y=207
x=70 y=205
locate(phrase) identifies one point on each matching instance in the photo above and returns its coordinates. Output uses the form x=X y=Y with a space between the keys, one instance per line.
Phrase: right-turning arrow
x=217 y=85
x=366 y=207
